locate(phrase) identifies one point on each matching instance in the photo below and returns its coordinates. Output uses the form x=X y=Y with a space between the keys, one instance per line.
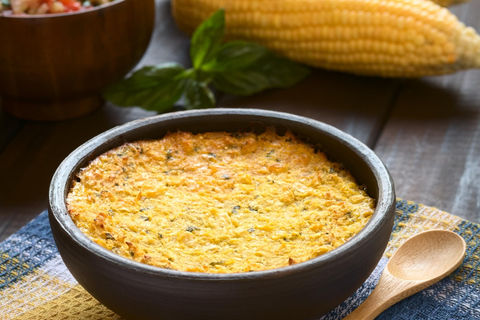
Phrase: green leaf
x=198 y=95
x=207 y=39
x=236 y=55
x=237 y=67
x=281 y=72
x=241 y=82
x=266 y=72
x=152 y=88
x=6 y=3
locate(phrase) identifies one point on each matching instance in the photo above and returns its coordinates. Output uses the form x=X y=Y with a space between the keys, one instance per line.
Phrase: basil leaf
x=198 y=95
x=207 y=39
x=269 y=71
x=152 y=88
x=237 y=67
x=236 y=55
x=281 y=72
x=240 y=82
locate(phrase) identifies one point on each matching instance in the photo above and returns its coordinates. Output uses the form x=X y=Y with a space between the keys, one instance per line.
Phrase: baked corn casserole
x=218 y=202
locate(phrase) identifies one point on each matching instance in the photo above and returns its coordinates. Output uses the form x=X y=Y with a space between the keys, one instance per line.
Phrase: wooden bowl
x=55 y=66
x=305 y=290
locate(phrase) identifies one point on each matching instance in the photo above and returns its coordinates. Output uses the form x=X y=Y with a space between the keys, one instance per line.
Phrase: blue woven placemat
x=35 y=284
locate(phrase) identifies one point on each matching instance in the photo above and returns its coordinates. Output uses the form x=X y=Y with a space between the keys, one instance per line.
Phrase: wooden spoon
x=420 y=262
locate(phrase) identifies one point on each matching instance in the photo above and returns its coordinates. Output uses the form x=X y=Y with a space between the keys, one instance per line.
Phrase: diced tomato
x=71 y=5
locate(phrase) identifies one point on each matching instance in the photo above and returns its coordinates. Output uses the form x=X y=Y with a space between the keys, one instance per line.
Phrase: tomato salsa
x=46 y=6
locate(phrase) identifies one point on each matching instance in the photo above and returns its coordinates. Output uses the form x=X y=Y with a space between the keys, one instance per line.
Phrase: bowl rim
x=63 y=14
x=61 y=182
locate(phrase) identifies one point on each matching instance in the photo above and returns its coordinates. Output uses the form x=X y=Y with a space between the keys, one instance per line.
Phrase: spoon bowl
x=427 y=256
x=420 y=262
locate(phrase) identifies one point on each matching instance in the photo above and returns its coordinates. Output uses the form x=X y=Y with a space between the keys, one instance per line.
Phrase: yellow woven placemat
x=35 y=284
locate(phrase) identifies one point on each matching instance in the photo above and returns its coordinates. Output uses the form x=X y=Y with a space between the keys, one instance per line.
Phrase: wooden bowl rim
x=65 y=14
x=58 y=211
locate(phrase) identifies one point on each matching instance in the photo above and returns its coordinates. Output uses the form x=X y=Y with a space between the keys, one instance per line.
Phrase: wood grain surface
x=431 y=141
x=427 y=131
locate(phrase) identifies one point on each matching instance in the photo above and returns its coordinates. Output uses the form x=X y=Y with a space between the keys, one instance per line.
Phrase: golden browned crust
x=218 y=202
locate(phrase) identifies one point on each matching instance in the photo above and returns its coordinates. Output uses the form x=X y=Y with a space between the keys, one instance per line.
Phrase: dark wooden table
x=427 y=131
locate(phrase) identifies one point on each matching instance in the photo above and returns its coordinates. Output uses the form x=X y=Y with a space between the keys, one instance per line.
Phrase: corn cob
x=391 y=38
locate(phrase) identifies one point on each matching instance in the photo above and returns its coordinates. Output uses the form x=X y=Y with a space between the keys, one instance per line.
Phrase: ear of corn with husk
x=391 y=38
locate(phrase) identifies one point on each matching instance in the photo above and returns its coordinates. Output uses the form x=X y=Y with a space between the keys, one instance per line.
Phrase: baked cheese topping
x=218 y=202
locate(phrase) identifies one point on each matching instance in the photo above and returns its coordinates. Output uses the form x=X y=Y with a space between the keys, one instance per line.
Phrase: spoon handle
x=389 y=290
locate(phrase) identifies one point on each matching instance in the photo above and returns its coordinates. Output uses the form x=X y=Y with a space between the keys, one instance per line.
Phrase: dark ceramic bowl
x=302 y=291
